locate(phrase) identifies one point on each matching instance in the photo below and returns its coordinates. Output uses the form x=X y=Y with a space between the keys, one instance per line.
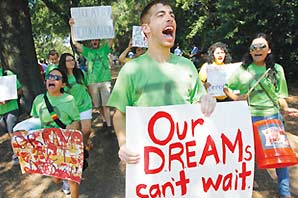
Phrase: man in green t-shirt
x=157 y=77
x=9 y=110
x=99 y=73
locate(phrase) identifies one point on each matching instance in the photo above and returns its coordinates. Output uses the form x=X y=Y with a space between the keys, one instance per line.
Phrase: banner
x=138 y=37
x=218 y=76
x=51 y=151
x=185 y=154
x=92 y=23
x=8 y=87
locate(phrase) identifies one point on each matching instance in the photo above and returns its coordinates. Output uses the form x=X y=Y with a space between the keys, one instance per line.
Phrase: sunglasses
x=260 y=46
x=53 y=77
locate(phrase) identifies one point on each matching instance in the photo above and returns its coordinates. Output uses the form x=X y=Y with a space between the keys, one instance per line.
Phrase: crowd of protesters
x=76 y=93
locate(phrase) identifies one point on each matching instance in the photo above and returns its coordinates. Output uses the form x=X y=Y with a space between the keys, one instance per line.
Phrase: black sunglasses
x=53 y=77
x=259 y=46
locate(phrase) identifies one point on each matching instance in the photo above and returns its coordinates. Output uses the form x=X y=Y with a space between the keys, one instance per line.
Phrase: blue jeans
x=282 y=173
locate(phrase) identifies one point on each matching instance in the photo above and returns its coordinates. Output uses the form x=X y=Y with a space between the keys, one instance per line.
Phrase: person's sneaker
x=65 y=187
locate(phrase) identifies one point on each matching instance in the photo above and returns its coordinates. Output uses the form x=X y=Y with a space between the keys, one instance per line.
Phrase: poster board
x=138 y=37
x=185 y=154
x=218 y=76
x=92 y=23
x=51 y=151
x=8 y=87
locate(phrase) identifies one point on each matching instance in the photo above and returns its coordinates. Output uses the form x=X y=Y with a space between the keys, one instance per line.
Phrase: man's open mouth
x=168 y=32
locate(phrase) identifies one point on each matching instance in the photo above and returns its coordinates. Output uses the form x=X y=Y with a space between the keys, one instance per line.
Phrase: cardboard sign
x=92 y=23
x=51 y=151
x=138 y=37
x=218 y=76
x=185 y=154
x=8 y=87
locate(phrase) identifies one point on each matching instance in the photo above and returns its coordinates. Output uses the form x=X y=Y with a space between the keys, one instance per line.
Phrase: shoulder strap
x=262 y=86
x=53 y=114
x=274 y=103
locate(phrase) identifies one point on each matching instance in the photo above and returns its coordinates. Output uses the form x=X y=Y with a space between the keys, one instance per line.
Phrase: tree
x=16 y=46
x=236 y=22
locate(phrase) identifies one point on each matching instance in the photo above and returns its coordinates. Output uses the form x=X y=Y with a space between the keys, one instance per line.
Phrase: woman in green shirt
x=64 y=106
x=266 y=98
x=77 y=87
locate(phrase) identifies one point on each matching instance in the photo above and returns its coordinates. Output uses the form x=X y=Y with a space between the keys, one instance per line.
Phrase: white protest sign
x=218 y=76
x=138 y=37
x=92 y=23
x=185 y=154
x=8 y=87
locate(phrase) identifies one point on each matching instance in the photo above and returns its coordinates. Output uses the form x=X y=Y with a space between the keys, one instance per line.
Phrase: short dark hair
x=146 y=9
x=53 y=53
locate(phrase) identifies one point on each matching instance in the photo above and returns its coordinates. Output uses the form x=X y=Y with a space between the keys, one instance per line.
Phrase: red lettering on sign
x=147 y=151
x=209 y=150
x=161 y=190
x=151 y=125
x=227 y=180
x=232 y=147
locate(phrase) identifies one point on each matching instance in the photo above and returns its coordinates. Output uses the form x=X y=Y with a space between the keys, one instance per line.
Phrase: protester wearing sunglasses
x=262 y=83
x=64 y=107
x=53 y=77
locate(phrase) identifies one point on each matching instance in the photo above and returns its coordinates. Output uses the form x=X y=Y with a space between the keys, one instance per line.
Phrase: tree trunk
x=17 y=51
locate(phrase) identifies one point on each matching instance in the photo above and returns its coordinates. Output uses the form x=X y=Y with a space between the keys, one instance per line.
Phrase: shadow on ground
x=103 y=180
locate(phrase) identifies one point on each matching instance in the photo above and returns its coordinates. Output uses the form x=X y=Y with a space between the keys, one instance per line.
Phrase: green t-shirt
x=146 y=82
x=79 y=92
x=260 y=104
x=12 y=104
x=98 y=64
x=64 y=106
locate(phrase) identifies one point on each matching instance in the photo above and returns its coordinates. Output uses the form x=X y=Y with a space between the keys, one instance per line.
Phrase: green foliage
x=198 y=21
x=236 y=23
x=49 y=30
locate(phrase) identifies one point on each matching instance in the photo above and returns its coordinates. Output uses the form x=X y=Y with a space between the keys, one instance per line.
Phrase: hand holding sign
x=208 y=104
x=128 y=156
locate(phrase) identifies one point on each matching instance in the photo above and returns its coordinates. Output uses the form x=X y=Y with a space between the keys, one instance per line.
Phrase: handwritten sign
x=184 y=154
x=52 y=152
x=8 y=87
x=218 y=76
x=138 y=37
x=92 y=23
